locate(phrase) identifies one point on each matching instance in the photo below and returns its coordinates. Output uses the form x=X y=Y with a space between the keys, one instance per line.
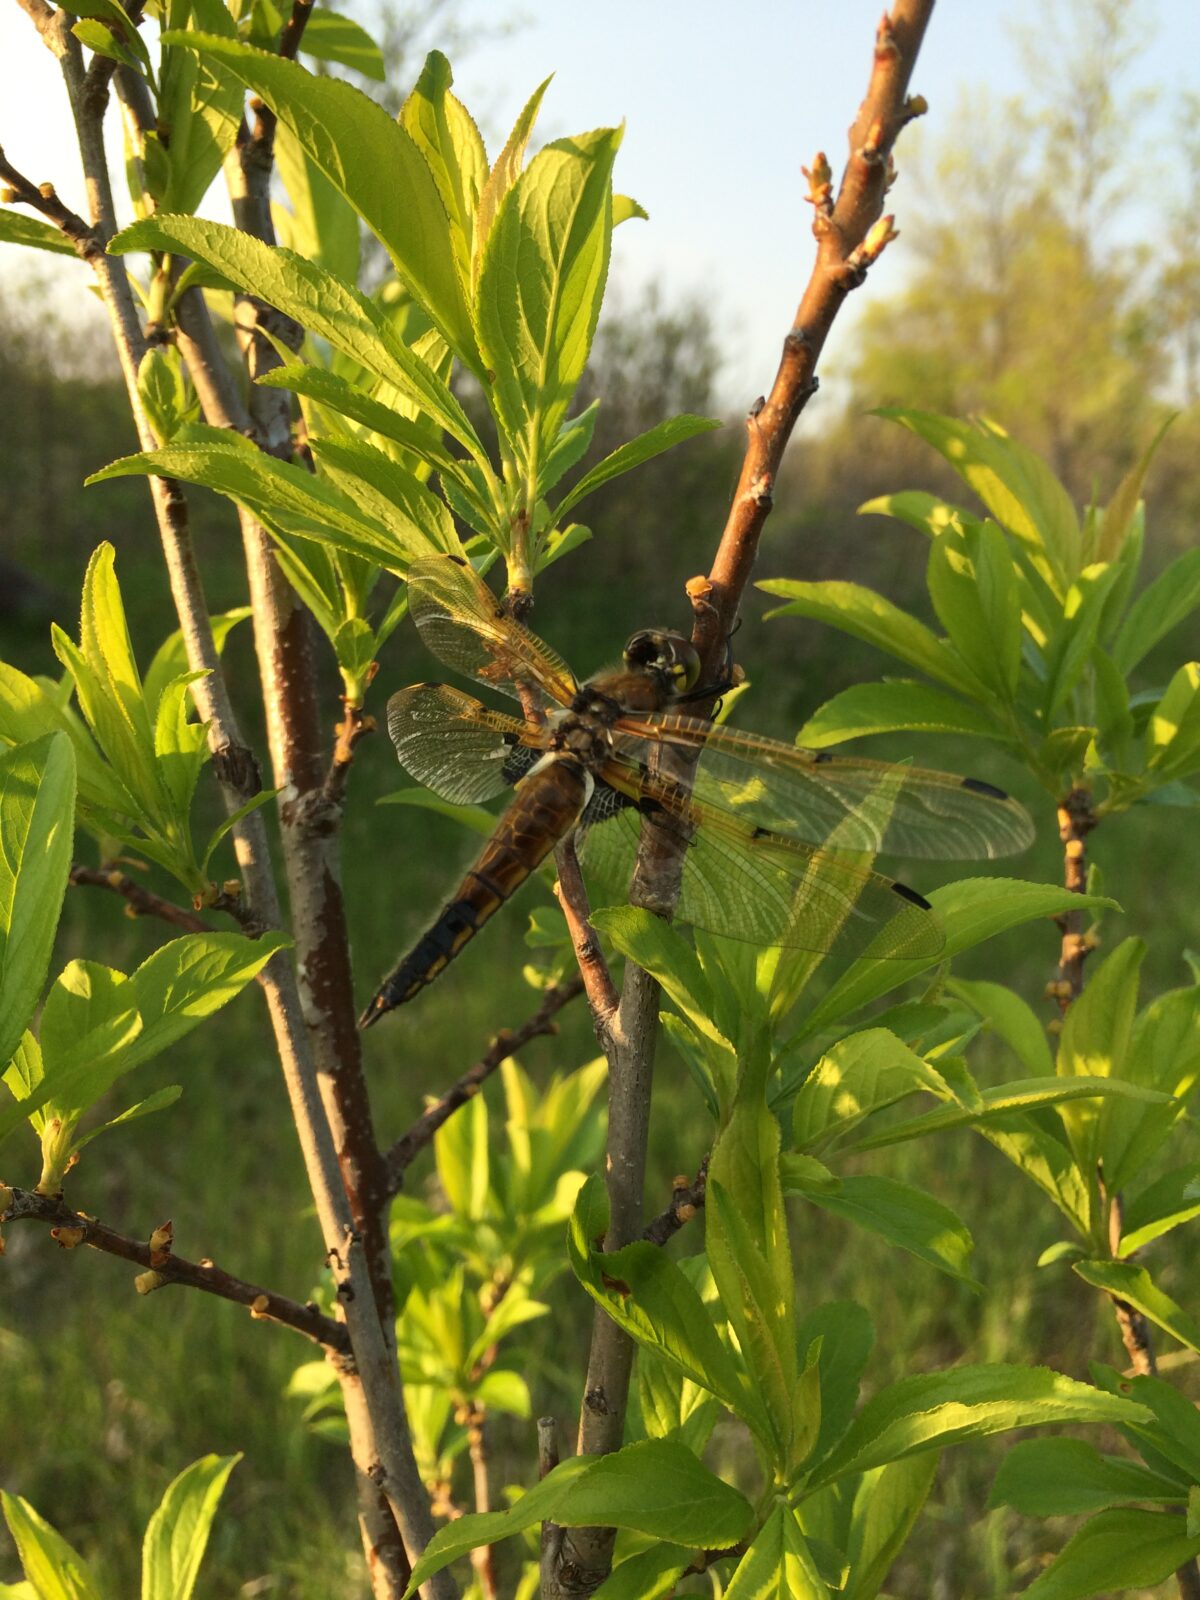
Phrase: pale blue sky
x=723 y=103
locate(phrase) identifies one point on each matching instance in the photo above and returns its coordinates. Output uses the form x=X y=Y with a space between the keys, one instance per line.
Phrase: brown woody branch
x=686 y=1199
x=571 y=895
x=43 y=198
x=139 y=901
x=72 y=1228
x=851 y=233
x=293 y=31
x=409 y=1145
x=1076 y=819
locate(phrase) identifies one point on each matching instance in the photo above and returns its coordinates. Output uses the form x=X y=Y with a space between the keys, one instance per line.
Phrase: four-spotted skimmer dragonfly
x=774 y=836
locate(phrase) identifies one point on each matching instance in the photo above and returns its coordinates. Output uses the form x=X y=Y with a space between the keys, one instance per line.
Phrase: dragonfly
x=774 y=839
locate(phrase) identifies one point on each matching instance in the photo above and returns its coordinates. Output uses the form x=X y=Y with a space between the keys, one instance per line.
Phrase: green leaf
x=17 y=228
x=37 y=811
x=649 y=1297
x=158 y=1101
x=504 y=173
x=892 y=707
x=972 y=910
x=171 y=660
x=374 y=163
x=778 y=1565
x=1120 y=515
x=334 y=392
x=663 y=436
x=540 y=286
x=886 y=1504
x=904 y=1216
x=282 y=496
x=846 y=1335
x=642 y=937
x=1011 y=1019
x=762 y=1318
x=55 y=1571
x=574 y=440
x=177 y=1533
x=1135 y=1285
x=1024 y=1095
x=1170 y=1200
x=1161 y=606
x=856 y=1076
x=1017 y=487
x=974 y=591
x=650 y=1575
x=1173 y=732
x=1095 y=1039
x=333 y=36
x=460 y=1148
x=262 y=798
x=389 y=494
x=1170 y=1441
x=868 y=616
x=937 y=1409
x=477 y=818
x=444 y=133
x=1116 y=1550
x=199 y=110
x=322 y=303
x=1069 y=1477
x=188 y=979
x=656 y=1487
x=1074 y=637
x=109 y=688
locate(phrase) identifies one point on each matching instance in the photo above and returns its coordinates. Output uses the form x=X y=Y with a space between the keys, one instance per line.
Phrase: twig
x=483 y=1557
x=400 y=1157
x=140 y=901
x=354 y=726
x=293 y=32
x=1076 y=819
x=571 y=894
x=72 y=1228
x=850 y=236
x=686 y=1199
x=43 y=198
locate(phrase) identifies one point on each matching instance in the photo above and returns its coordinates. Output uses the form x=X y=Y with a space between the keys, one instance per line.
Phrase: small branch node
x=886 y=48
x=914 y=106
x=820 y=185
x=148 y=1282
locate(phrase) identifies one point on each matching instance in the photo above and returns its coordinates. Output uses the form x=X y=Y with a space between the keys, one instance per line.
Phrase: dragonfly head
x=669 y=655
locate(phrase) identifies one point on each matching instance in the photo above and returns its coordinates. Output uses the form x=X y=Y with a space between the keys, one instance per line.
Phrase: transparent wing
x=463 y=623
x=872 y=806
x=752 y=884
x=452 y=744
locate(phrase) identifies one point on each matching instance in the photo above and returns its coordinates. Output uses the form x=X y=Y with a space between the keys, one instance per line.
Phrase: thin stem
x=73 y=1228
x=139 y=901
x=405 y=1150
x=483 y=1557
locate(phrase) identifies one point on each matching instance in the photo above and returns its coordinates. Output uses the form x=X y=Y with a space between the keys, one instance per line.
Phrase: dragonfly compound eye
x=667 y=653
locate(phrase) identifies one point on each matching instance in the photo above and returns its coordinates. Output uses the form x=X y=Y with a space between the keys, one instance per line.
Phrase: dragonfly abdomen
x=546 y=807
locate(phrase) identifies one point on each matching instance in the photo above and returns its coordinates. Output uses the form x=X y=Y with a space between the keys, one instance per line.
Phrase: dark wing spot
x=760 y=833
x=458 y=561
x=911 y=896
x=977 y=786
x=822 y=756
x=648 y=807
